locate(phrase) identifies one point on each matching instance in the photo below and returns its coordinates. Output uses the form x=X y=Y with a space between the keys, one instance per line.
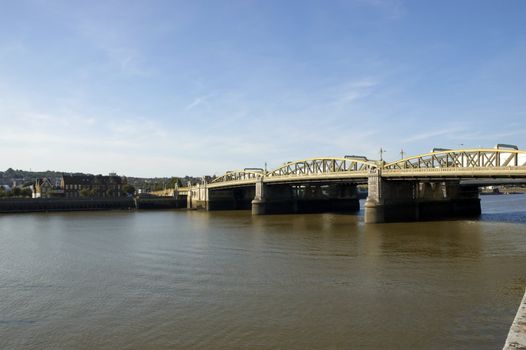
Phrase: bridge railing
x=467 y=171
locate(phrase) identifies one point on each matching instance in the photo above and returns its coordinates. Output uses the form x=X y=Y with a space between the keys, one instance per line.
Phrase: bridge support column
x=259 y=203
x=189 y=197
x=197 y=197
x=405 y=200
x=389 y=201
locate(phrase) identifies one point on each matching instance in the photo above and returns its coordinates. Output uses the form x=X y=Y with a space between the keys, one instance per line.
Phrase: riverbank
x=23 y=205
x=517 y=336
x=504 y=190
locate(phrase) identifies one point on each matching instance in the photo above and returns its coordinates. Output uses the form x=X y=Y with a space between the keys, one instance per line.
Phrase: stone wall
x=23 y=205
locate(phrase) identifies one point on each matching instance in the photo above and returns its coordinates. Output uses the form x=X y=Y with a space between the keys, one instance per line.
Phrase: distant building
x=76 y=186
x=43 y=188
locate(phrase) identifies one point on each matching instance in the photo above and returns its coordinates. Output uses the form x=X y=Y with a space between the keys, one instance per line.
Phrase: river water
x=227 y=280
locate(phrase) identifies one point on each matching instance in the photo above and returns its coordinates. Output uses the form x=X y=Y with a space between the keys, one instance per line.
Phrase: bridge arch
x=462 y=158
x=239 y=175
x=320 y=166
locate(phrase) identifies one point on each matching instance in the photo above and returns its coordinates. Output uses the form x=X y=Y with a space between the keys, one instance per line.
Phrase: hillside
x=21 y=177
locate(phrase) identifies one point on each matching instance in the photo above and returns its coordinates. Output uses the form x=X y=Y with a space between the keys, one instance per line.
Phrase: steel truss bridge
x=485 y=163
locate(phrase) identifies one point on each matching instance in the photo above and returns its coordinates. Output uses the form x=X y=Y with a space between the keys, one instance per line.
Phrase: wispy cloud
x=450 y=132
x=355 y=90
x=198 y=101
x=394 y=9
x=116 y=46
x=127 y=59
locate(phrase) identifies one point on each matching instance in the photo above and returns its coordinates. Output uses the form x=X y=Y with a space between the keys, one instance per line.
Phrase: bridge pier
x=259 y=203
x=197 y=197
x=306 y=198
x=413 y=200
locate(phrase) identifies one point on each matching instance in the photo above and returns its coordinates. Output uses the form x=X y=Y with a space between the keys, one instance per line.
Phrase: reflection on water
x=504 y=208
x=223 y=280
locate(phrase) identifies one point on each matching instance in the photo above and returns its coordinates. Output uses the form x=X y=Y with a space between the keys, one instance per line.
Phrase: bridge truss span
x=322 y=167
x=481 y=162
x=443 y=164
x=237 y=177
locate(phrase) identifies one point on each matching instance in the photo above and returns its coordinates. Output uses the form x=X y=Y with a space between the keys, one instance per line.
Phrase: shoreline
x=517 y=335
x=23 y=205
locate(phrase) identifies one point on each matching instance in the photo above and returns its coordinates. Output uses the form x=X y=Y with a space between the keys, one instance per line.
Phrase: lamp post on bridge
x=382 y=151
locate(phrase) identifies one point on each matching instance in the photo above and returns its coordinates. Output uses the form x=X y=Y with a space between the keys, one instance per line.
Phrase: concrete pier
x=197 y=197
x=517 y=336
x=395 y=201
x=259 y=203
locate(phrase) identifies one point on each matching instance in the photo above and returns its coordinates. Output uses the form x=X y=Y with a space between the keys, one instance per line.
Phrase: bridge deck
x=473 y=172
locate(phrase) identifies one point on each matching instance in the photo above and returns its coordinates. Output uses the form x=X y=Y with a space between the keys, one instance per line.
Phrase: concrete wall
x=52 y=204
x=161 y=203
x=61 y=204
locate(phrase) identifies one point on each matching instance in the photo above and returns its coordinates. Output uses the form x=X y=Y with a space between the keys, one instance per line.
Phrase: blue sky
x=168 y=88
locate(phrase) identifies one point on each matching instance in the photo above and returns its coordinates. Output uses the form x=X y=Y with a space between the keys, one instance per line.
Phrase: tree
x=173 y=181
x=128 y=189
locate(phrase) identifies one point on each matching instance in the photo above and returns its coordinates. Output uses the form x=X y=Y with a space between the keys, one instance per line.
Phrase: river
x=228 y=280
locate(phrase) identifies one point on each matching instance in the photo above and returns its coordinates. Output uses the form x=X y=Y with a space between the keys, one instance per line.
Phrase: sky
x=173 y=88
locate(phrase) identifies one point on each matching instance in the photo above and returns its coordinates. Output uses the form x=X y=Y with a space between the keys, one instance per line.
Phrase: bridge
x=438 y=184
